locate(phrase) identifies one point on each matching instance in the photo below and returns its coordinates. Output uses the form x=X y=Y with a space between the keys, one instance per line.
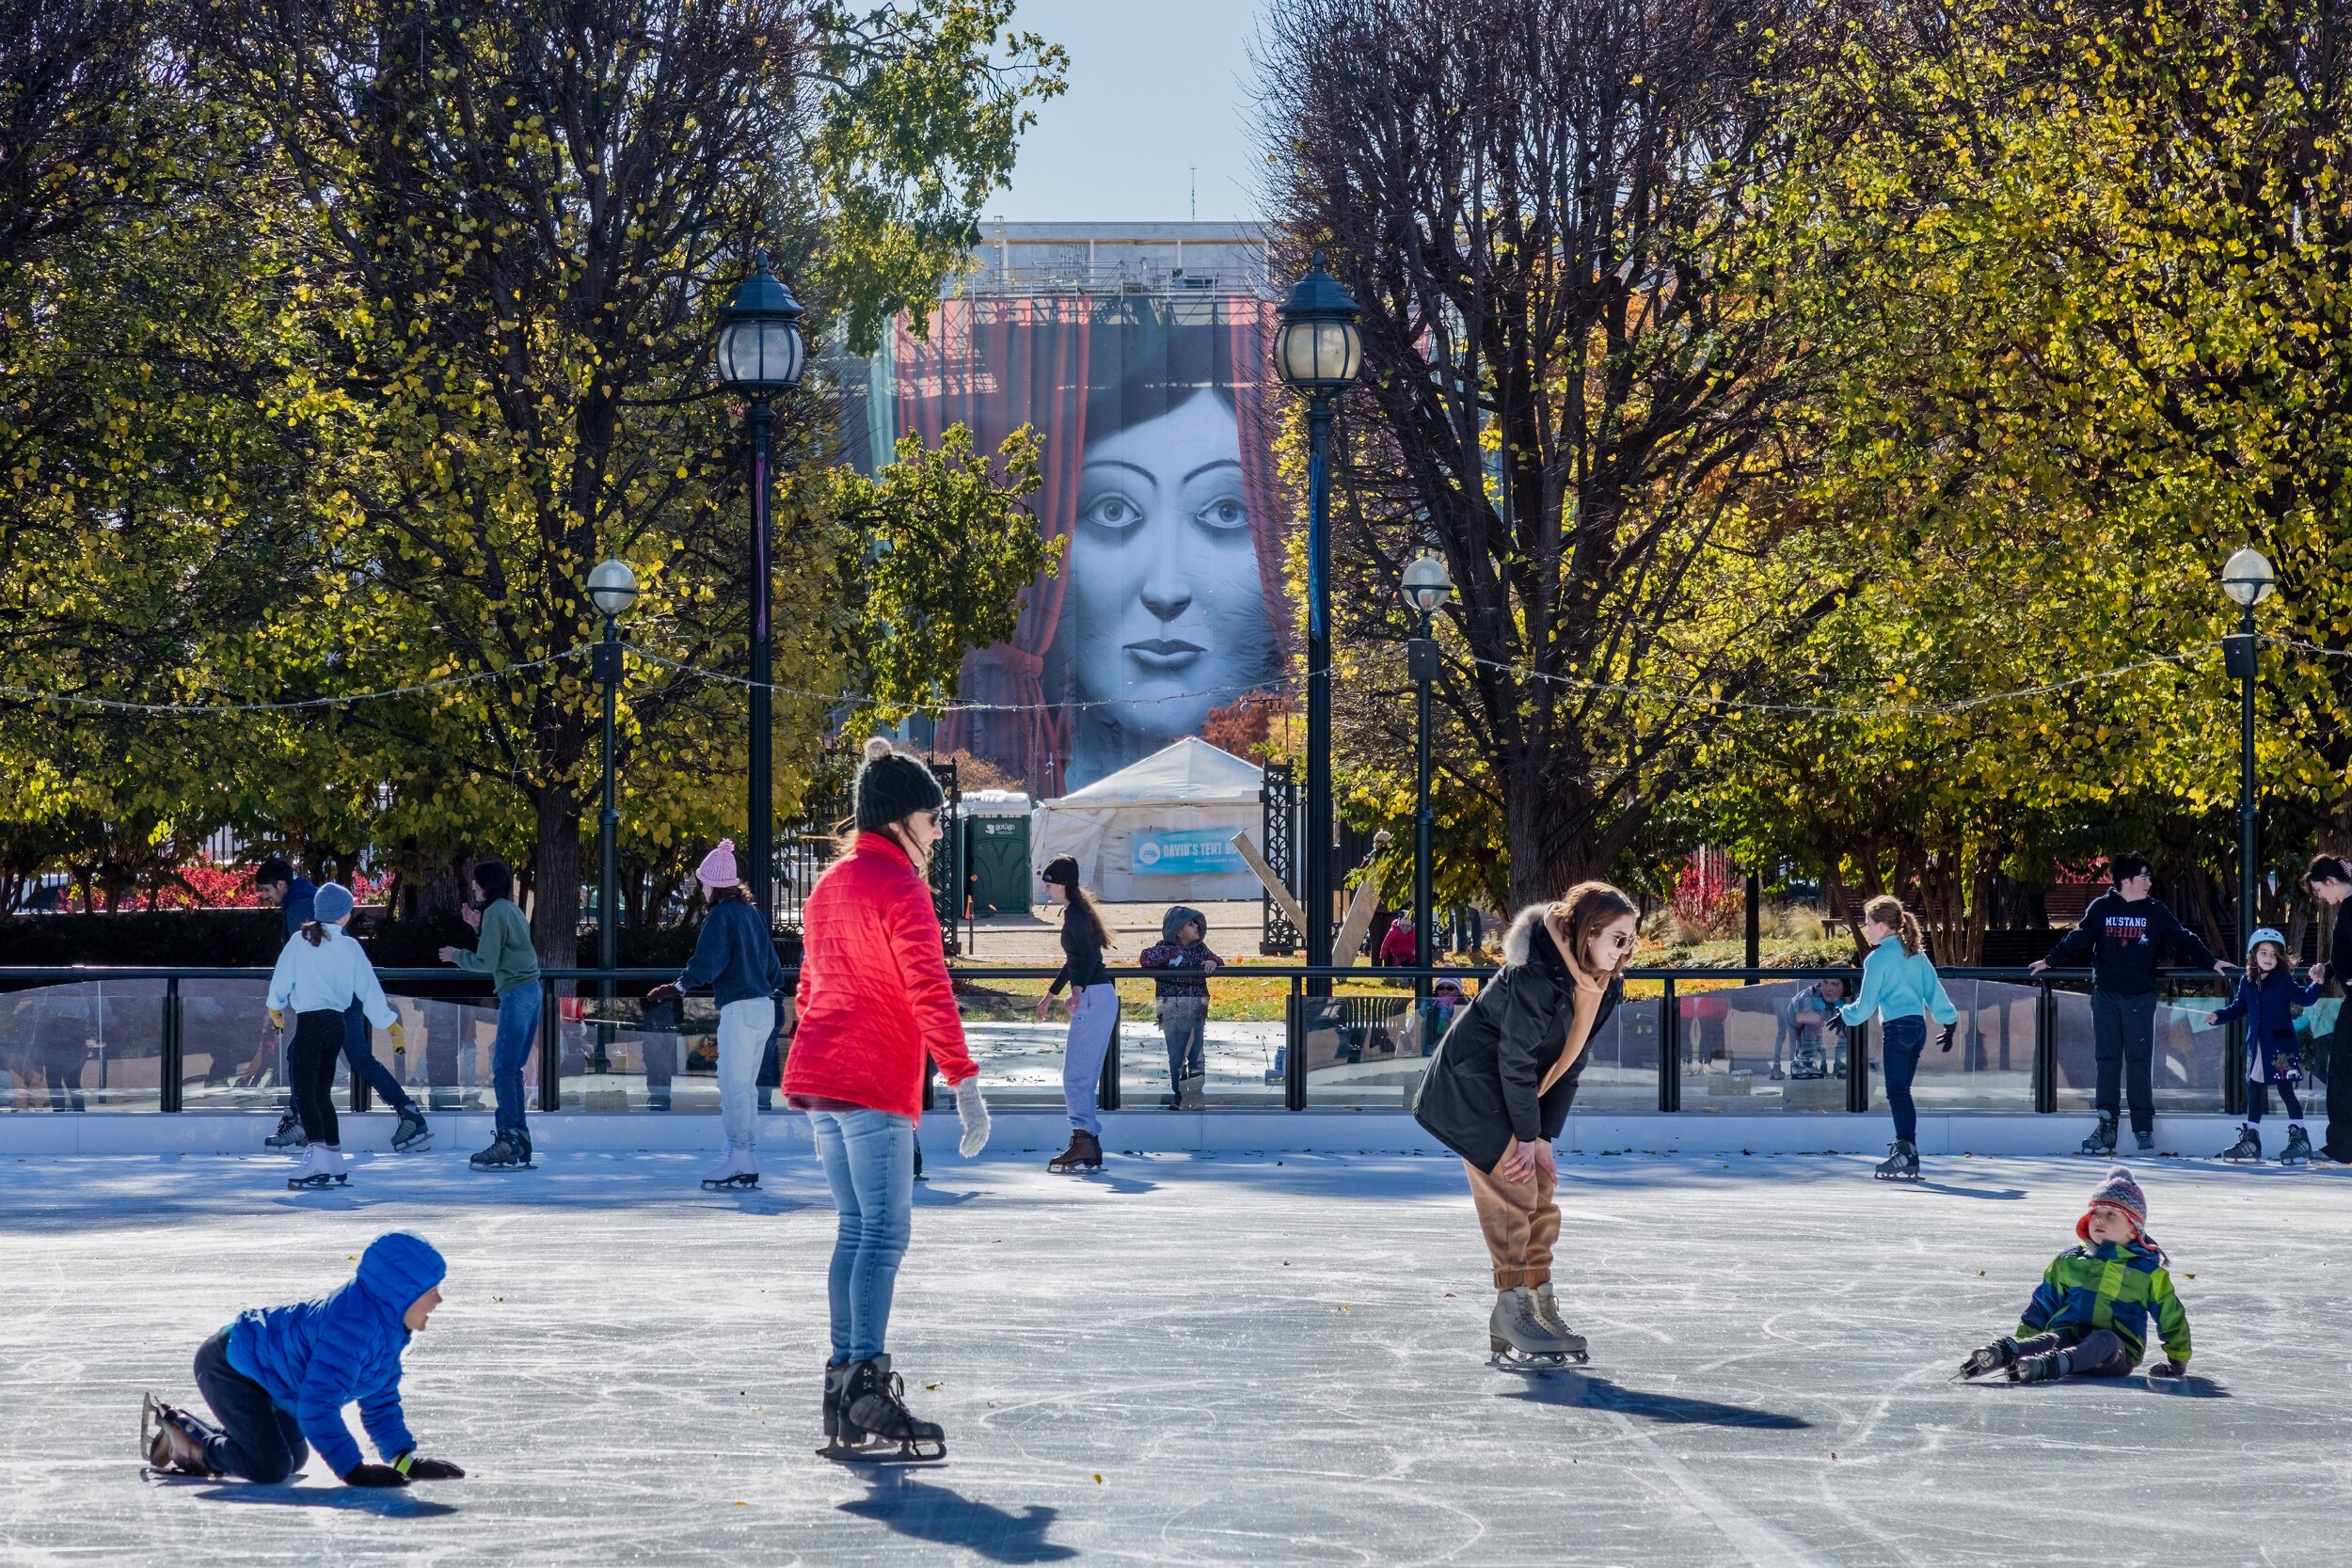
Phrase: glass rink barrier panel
x=627 y=1055
x=92 y=1045
x=231 y=1059
x=1990 y=1064
x=2188 y=1059
x=1777 y=1046
x=1221 y=1050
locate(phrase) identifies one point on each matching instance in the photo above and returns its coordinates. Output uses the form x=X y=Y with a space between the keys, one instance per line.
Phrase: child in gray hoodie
x=1182 y=954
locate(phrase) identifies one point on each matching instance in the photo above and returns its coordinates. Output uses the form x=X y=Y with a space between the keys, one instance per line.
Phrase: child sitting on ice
x=2089 y=1317
x=278 y=1377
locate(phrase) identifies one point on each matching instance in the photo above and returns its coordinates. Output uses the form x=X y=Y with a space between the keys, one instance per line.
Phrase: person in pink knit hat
x=736 y=957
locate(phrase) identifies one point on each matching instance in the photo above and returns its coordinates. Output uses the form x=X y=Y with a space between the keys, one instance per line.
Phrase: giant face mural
x=1169 y=602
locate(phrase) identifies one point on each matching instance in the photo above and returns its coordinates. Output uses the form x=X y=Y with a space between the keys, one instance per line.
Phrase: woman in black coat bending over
x=1499 y=1090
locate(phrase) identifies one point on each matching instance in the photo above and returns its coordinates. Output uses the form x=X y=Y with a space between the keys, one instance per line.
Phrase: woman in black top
x=2330 y=880
x=1093 y=1012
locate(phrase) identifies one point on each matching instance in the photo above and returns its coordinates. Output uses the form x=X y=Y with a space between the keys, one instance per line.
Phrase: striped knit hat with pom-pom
x=2121 y=1193
x=893 y=787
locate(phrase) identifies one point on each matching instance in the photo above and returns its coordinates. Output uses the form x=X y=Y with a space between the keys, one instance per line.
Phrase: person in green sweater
x=504 y=952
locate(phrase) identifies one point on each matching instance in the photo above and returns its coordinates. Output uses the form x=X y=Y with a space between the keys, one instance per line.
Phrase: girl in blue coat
x=278 y=1377
x=1900 y=984
x=2268 y=998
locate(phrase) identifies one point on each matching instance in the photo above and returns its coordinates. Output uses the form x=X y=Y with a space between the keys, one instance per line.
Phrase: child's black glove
x=373 y=1475
x=2168 y=1369
x=428 y=1470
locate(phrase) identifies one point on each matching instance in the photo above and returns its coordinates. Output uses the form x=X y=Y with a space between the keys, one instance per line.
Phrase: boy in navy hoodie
x=2125 y=935
x=278 y=1377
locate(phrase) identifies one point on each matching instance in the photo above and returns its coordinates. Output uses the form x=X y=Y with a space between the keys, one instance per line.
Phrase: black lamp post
x=612 y=588
x=2246 y=577
x=1317 y=351
x=1427 y=587
x=761 y=354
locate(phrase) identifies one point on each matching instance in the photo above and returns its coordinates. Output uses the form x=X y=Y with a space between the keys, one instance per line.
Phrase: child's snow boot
x=1901 y=1162
x=2249 y=1145
x=2298 y=1148
x=2102 y=1139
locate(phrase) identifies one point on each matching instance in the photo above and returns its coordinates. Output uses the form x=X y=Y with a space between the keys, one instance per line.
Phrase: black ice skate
x=2249 y=1145
x=1517 y=1336
x=2146 y=1142
x=2045 y=1368
x=874 y=1426
x=289 y=1133
x=507 y=1152
x=1901 y=1162
x=172 y=1440
x=412 y=1135
x=1998 y=1356
x=2102 y=1139
x=837 y=1379
x=1084 y=1153
x=2298 y=1148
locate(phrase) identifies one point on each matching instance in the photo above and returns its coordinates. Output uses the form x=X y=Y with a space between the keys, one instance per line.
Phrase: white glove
x=972 y=1111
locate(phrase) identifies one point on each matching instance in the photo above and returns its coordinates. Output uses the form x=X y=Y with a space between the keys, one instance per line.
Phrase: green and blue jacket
x=2107 y=1286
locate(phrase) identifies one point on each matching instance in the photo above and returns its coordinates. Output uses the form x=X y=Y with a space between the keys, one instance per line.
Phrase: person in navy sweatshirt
x=278 y=1377
x=736 y=957
x=2125 y=934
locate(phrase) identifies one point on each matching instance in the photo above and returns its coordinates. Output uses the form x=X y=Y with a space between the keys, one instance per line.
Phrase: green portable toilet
x=996 y=859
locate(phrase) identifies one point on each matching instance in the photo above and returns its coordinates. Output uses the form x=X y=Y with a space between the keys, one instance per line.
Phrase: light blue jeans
x=1093 y=1015
x=519 y=1028
x=868 y=1158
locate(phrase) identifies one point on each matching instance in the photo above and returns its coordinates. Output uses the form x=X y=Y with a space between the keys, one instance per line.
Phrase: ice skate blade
x=1896 y=1175
x=731 y=1184
x=1509 y=1358
x=315 y=1183
x=882 y=1451
x=499 y=1169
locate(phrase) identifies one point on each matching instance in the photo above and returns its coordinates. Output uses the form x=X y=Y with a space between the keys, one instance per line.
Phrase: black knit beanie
x=1061 y=869
x=892 y=787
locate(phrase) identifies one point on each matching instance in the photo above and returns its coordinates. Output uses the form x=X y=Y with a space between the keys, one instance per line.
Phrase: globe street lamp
x=2246 y=577
x=1427 y=587
x=1317 y=352
x=612 y=588
x=761 y=354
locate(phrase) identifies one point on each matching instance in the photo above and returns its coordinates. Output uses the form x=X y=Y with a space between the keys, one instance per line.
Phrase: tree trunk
x=555 y=878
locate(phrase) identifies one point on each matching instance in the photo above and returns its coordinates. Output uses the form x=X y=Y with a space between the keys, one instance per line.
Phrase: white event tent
x=1159 y=831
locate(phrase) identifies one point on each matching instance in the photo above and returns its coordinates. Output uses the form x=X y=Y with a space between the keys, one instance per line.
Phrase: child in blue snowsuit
x=278 y=1377
x=2268 y=998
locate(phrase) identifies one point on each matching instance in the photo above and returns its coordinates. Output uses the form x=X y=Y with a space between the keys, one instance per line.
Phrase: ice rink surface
x=1200 y=1360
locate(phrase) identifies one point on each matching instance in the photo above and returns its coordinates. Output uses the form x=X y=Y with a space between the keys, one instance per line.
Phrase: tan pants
x=1520 y=1222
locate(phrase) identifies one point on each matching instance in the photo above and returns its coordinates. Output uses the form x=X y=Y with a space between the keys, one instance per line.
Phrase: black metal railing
x=1675 y=1025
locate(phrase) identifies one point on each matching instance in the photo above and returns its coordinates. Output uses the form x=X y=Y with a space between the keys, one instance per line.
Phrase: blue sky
x=1155 y=89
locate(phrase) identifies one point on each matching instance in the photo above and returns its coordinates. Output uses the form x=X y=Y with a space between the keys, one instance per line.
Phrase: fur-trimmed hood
x=1519 y=941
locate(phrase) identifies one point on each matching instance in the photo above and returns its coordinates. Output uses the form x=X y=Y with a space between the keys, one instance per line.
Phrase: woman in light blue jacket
x=1900 y=985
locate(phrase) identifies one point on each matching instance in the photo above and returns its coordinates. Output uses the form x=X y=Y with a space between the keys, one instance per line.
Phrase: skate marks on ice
x=926 y=1510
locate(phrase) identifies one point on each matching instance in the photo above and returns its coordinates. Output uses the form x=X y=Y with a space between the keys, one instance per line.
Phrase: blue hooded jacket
x=301 y=898
x=316 y=1356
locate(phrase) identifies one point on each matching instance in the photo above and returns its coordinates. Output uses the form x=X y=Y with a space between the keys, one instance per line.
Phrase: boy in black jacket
x=2125 y=934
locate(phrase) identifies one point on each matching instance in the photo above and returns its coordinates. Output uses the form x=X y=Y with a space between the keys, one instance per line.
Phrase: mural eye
x=1226 y=512
x=1113 y=512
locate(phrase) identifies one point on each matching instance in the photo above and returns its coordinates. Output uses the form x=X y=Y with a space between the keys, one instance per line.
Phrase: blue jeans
x=1901 y=1041
x=868 y=1158
x=359 y=1050
x=518 y=1026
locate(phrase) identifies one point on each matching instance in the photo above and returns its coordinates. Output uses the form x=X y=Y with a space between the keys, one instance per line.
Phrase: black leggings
x=2097 y=1353
x=318 y=1045
x=256 y=1440
x=2257 y=1103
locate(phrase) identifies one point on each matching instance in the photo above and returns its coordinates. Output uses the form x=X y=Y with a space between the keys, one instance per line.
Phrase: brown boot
x=1084 y=1153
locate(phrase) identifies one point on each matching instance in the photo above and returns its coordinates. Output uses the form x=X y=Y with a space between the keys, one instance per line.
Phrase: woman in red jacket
x=874 y=998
